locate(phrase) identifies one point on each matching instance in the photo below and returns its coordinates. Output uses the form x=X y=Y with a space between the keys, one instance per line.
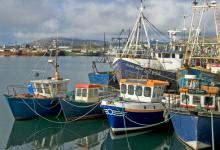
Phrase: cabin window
x=147 y=91
x=185 y=99
x=106 y=90
x=176 y=48
x=158 y=91
x=123 y=89
x=90 y=92
x=159 y=55
x=110 y=89
x=166 y=55
x=155 y=92
x=138 y=90
x=47 y=88
x=78 y=92
x=208 y=101
x=84 y=93
x=196 y=100
x=61 y=88
x=130 y=89
x=173 y=56
x=96 y=92
x=39 y=88
x=101 y=89
x=180 y=56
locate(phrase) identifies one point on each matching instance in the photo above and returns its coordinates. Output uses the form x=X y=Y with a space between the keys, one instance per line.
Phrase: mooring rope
x=80 y=106
x=58 y=122
x=126 y=134
x=124 y=115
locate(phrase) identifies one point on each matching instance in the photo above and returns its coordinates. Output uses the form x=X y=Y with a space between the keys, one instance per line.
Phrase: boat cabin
x=142 y=90
x=215 y=68
x=195 y=96
x=168 y=54
x=49 y=88
x=92 y=92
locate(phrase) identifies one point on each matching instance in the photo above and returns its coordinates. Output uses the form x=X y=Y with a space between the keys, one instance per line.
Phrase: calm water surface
x=42 y=134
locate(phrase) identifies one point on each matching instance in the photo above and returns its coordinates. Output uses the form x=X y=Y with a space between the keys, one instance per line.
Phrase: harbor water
x=45 y=134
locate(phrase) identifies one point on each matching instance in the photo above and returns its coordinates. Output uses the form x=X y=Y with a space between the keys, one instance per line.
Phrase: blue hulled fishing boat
x=137 y=59
x=196 y=120
x=85 y=103
x=103 y=78
x=40 y=98
x=138 y=107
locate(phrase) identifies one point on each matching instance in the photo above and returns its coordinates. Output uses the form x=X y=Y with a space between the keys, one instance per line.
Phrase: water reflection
x=152 y=140
x=175 y=143
x=90 y=134
x=144 y=140
x=39 y=134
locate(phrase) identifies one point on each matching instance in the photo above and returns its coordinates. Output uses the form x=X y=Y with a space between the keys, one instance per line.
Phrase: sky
x=28 y=20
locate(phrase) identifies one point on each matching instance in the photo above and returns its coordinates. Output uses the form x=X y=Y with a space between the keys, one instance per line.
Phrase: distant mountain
x=62 y=41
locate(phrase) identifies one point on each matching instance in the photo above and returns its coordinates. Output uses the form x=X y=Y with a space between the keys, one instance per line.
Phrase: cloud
x=23 y=20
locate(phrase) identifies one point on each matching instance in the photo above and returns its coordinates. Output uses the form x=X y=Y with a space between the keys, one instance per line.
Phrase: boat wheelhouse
x=170 y=59
x=92 y=92
x=87 y=92
x=49 y=88
x=139 y=106
x=142 y=90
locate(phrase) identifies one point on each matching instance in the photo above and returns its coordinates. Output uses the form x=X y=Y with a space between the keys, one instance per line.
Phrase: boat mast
x=134 y=38
x=193 y=39
x=56 y=73
x=213 y=6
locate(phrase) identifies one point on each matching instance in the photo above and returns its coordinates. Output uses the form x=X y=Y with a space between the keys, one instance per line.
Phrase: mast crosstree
x=133 y=43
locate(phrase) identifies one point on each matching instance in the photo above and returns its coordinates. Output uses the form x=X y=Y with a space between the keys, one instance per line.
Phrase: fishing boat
x=202 y=57
x=137 y=60
x=196 y=120
x=40 y=98
x=139 y=106
x=107 y=78
x=85 y=103
x=103 y=77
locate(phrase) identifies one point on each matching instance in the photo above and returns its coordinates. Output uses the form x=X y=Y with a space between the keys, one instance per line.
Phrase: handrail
x=15 y=88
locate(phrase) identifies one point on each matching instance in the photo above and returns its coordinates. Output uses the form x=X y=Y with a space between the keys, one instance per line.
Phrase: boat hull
x=104 y=78
x=129 y=70
x=122 y=121
x=195 y=129
x=74 y=110
x=28 y=108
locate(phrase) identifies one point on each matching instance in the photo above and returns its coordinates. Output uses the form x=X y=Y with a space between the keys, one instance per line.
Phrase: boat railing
x=16 y=89
x=104 y=95
x=191 y=108
x=21 y=89
x=136 y=55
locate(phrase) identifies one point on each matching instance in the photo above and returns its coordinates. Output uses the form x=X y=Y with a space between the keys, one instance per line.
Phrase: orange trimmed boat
x=139 y=106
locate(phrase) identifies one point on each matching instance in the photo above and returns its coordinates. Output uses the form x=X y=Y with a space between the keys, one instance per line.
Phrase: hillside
x=74 y=43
